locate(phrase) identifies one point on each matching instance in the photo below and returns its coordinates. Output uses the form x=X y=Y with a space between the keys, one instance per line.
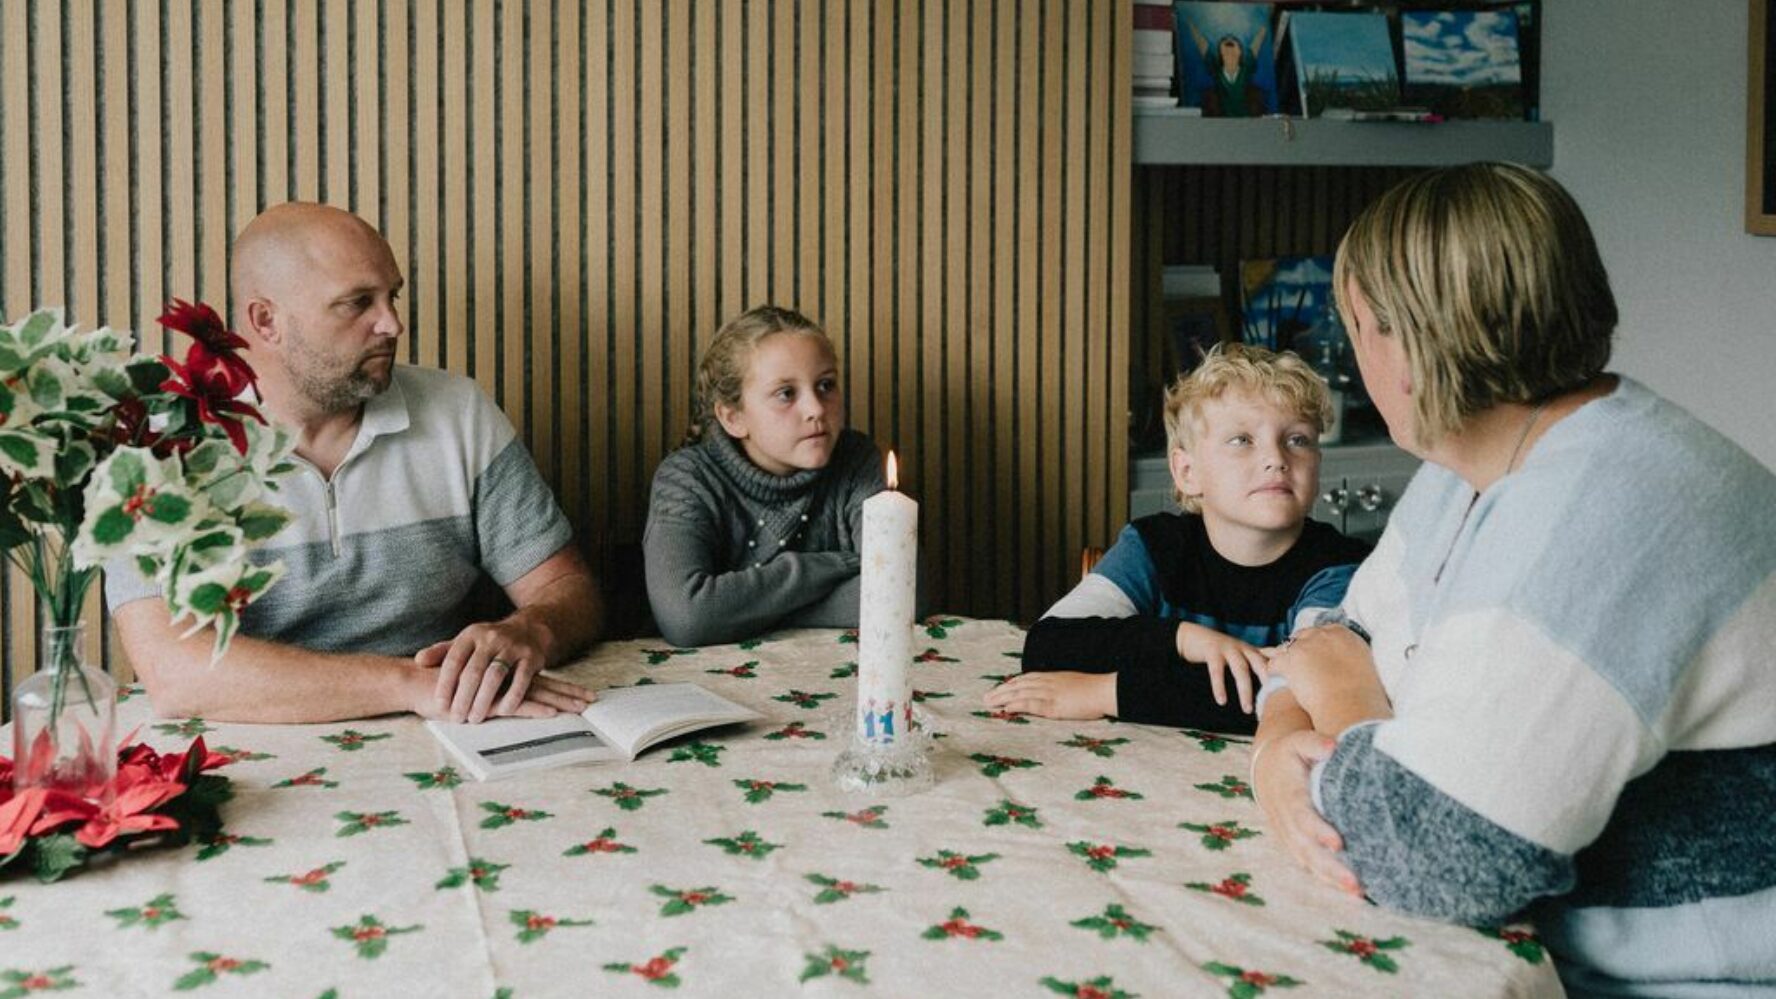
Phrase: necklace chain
x=1523 y=435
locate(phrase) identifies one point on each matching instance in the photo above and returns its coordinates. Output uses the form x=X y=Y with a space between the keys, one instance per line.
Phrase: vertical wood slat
x=579 y=194
x=544 y=328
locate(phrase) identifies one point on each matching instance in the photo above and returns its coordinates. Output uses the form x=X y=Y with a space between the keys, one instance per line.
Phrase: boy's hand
x=1064 y=694
x=1223 y=654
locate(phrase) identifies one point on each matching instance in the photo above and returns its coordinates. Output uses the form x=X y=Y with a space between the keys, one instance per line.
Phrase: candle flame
x=893 y=471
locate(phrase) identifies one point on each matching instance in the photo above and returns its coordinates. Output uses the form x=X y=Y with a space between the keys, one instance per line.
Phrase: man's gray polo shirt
x=435 y=490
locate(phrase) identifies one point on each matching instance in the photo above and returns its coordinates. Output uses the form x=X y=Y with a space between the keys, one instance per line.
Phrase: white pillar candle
x=885 y=618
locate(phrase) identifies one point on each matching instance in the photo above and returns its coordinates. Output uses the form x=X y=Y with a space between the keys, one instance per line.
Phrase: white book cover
x=619 y=725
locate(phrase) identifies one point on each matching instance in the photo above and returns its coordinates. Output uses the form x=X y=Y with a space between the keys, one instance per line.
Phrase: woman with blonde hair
x=1553 y=694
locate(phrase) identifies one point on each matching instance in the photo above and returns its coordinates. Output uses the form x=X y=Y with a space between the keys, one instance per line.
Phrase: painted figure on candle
x=1172 y=625
x=756 y=521
x=882 y=721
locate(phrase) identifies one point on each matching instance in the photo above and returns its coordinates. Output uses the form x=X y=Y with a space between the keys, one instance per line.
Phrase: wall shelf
x=1178 y=139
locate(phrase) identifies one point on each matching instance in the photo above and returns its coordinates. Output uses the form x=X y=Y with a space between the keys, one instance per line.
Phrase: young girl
x=754 y=522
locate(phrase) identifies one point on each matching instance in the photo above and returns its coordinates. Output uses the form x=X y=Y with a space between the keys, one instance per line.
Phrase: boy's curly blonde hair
x=1282 y=377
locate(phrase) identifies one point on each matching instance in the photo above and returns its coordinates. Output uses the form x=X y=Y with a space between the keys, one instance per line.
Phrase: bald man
x=410 y=487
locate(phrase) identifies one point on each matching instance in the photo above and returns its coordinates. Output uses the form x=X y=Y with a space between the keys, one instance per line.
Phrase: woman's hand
x=1280 y=775
x=1062 y=694
x=1332 y=675
x=1220 y=655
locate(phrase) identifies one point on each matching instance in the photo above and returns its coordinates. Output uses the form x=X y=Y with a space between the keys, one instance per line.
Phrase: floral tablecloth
x=1089 y=859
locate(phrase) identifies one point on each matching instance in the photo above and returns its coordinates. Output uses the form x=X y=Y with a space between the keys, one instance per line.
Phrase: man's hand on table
x=491 y=669
x=1063 y=694
x=1280 y=773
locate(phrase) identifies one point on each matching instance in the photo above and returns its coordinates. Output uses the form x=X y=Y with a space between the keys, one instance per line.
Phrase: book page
x=633 y=718
x=509 y=745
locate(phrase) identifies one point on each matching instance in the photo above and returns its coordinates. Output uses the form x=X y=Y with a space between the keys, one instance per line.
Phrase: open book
x=619 y=725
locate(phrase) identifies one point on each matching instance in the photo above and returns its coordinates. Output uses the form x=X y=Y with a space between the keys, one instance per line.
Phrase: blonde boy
x=1183 y=600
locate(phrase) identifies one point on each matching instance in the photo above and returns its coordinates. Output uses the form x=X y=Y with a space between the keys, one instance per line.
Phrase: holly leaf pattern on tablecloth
x=657 y=656
x=1097 y=747
x=441 y=779
x=993 y=765
x=604 y=842
x=1519 y=940
x=803 y=699
x=849 y=964
x=500 y=815
x=1229 y=787
x=867 y=818
x=997 y=678
x=628 y=798
x=750 y=644
x=1247 y=983
x=1008 y=811
x=1009 y=717
x=533 y=925
x=1104 y=788
x=233 y=755
x=370 y=936
x=7 y=920
x=150 y=915
x=939 y=627
x=933 y=656
x=16 y=983
x=747 y=844
x=357 y=823
x=848 y=636
x=313 y=778
x=959 y=926
x=758 y=791
x=125 y=691
x=1211 y=742
x=1115 y=922
x=744 y=671
x=1104 y=857
x=682 y=900
x=210 y=967
x=217 y=845
x=351 y=740
x=1220 y=835
x=961 y=866
x=1101 y=987
x=795 y=730
x=921 y=696
x=655 y=970
x=190 y=728
x=1368 y=950
x=844 y=671
x=837 y=889
x=705 y=753
x=483 y=874
x=1236 y=886
x=313 y=880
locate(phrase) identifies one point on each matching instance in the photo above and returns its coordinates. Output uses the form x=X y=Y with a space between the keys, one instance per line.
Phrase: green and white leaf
x=28 y=453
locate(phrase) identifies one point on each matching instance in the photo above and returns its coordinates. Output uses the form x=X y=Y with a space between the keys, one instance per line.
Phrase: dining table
x=1076 y=858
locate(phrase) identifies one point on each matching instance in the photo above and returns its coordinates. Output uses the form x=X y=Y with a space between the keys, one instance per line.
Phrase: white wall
x=1648 y=99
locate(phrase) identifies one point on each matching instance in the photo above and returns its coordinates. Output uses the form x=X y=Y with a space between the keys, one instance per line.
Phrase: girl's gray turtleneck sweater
x=732 y=550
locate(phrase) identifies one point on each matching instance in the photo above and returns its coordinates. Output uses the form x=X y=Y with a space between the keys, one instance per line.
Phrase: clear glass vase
x=64 y=721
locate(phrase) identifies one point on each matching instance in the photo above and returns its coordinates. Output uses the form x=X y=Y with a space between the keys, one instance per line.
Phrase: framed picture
x=1760 y=122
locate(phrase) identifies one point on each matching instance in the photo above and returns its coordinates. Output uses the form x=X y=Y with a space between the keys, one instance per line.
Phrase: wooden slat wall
x=579 y=193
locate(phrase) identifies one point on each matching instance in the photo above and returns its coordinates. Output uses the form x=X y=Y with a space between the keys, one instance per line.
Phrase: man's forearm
x=568 y=613
x=261 y=681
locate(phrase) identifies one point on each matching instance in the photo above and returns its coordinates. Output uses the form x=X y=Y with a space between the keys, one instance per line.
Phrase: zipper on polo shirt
x=333 y=516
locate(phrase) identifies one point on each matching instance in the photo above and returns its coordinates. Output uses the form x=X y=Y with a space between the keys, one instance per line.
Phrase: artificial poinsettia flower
x=215 y=351
x=214 y=393
x=138 y=794
x=171 y=766
x=17 y=815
